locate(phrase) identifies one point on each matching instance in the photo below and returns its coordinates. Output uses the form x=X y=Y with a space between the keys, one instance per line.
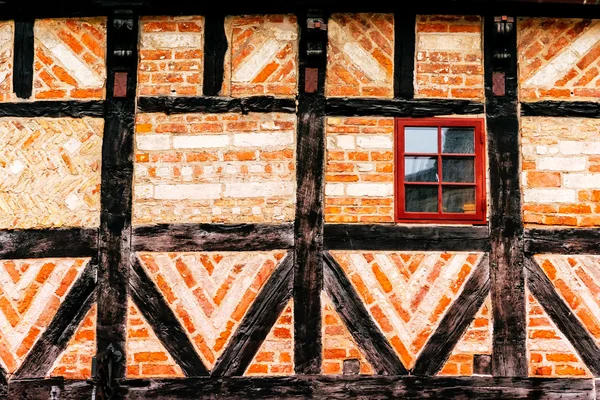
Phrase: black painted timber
x=44 y=243
x=404 y=238
x=258 y=321
x=563 y=317
x=351 y=309
x=54 y=340
x=401 y=107
x=215 y=105
x=562 y=241
x=23 y=58
x=455 y=322
x=213 y=237
x=163 y=321
x=561 y=109
x=215 y=48
x=404 y=54
x=53 y=109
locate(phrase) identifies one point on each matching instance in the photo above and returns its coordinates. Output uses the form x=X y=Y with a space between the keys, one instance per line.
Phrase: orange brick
x=543 y=179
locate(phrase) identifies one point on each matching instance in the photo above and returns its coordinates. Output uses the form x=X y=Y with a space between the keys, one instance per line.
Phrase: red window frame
x=478 y=218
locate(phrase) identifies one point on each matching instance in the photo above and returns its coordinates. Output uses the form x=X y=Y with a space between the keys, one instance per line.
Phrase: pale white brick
x=236 y=210
x=541 y=150
x=345 y=142
x=374 y=142
x=369 y=189
x=144 y=191
x=449 y=42
x=561 y=163
x=334 y=189
x=549 y=196
x=166 y=40
x=190 y=192
x=256 y=210
x=187 y=171
x=153 y=142
x=582 y=181
x=216 y=210
x=271 y=139
x=365 y=167
x=200 y=141
x=571 y=147
x=231 y=169
x=258 y=189
x=163 y=172
x=256 y=168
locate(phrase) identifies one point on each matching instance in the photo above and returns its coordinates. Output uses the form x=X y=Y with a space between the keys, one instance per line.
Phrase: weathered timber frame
x=114 y=271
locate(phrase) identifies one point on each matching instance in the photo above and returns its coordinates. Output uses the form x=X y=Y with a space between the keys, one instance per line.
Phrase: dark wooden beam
x=562 y=109
x=53 y=109
x=45 y=243
x=401 y=107
x=23 y=58
x=49 y=389
x=509 y=356
x=258 y=321
x=54 y=340
x=455 y=323
x=213 y=237
x=404 y=54
x=406 y=238
x=563 y=317
x=373 y=344
x=163 y=321
x=215 y=105
x=215 y=48
x=562 y=241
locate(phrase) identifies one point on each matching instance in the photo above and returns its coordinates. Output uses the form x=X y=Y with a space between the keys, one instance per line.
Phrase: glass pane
x=421 y=169
x=421 y=198
x=458 y=140
x=421 y=139
x=458 y=200
x=458 y=169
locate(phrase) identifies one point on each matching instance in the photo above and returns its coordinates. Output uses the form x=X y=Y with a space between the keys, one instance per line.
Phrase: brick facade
x=171 y=56
x=6 y=59
x=449 y=55
x=214 y=168
x=561 y=171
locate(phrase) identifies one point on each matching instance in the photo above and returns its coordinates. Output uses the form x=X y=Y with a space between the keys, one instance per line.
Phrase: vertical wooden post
x=23 y=58
x=404 y=54
x=215 y=47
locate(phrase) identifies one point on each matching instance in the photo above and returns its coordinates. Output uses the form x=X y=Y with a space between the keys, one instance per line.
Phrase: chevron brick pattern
x=171 y=56
x=6 y=59
x=31 y=291
x=360 y=55
x=69 y=59
x=559 y=58
x=210 y=292
x=407 y=293
x=338 y=343
x=276 y=354
x=50 y=172
x=549 y=352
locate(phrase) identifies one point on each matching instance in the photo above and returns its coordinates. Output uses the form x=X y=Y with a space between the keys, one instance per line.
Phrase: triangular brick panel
x=549 y=352
x=6 y=59
x=210 y=292
x=339 y=346
x=276 y=354
x=475 y=343
x=407 y=293
x=31 y=291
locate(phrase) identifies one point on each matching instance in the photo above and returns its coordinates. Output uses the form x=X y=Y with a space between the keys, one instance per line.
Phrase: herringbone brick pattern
x=276 y=354
x=171 y=56
x=360 y=55
x=69 y=59
x=407 y=293
x=338 y=343
x=559 y=58
x=550 y=353
x=50 y=172
x=6 y=59
x=210 y=292
x=264 y=55
x=31 y=292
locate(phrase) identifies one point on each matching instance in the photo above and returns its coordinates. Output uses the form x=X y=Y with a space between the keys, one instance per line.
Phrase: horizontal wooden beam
x=53 y=109
x=42 y=243
x=213 y=237
x=562 y=241
x=216 y=105
x=403 y=238
x=581 y=109
x=401 y=107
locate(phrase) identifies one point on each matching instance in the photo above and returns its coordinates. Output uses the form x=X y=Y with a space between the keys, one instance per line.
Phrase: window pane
x=458 y=140
x=421 y=198
x=421 y=169
x=421 y=139
x=458 y=200
x=458 y=169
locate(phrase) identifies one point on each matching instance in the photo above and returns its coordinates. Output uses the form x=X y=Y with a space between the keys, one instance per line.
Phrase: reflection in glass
x=421 y=198
x=458 y=200
x=421 y=139
x=458 y=169
x=421 y=169
x=458 y=140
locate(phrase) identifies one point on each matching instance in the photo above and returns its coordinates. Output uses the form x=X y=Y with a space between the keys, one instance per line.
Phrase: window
x=440 y=166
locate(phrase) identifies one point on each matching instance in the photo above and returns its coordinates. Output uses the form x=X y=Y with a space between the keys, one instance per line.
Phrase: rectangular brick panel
x=214 y=168
x=70 y=59
x=171 y=56
x=561 y=171
x=6 y=59
x=360 y=55
x=449 y=57
x=559 y=58
x=50 y=172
